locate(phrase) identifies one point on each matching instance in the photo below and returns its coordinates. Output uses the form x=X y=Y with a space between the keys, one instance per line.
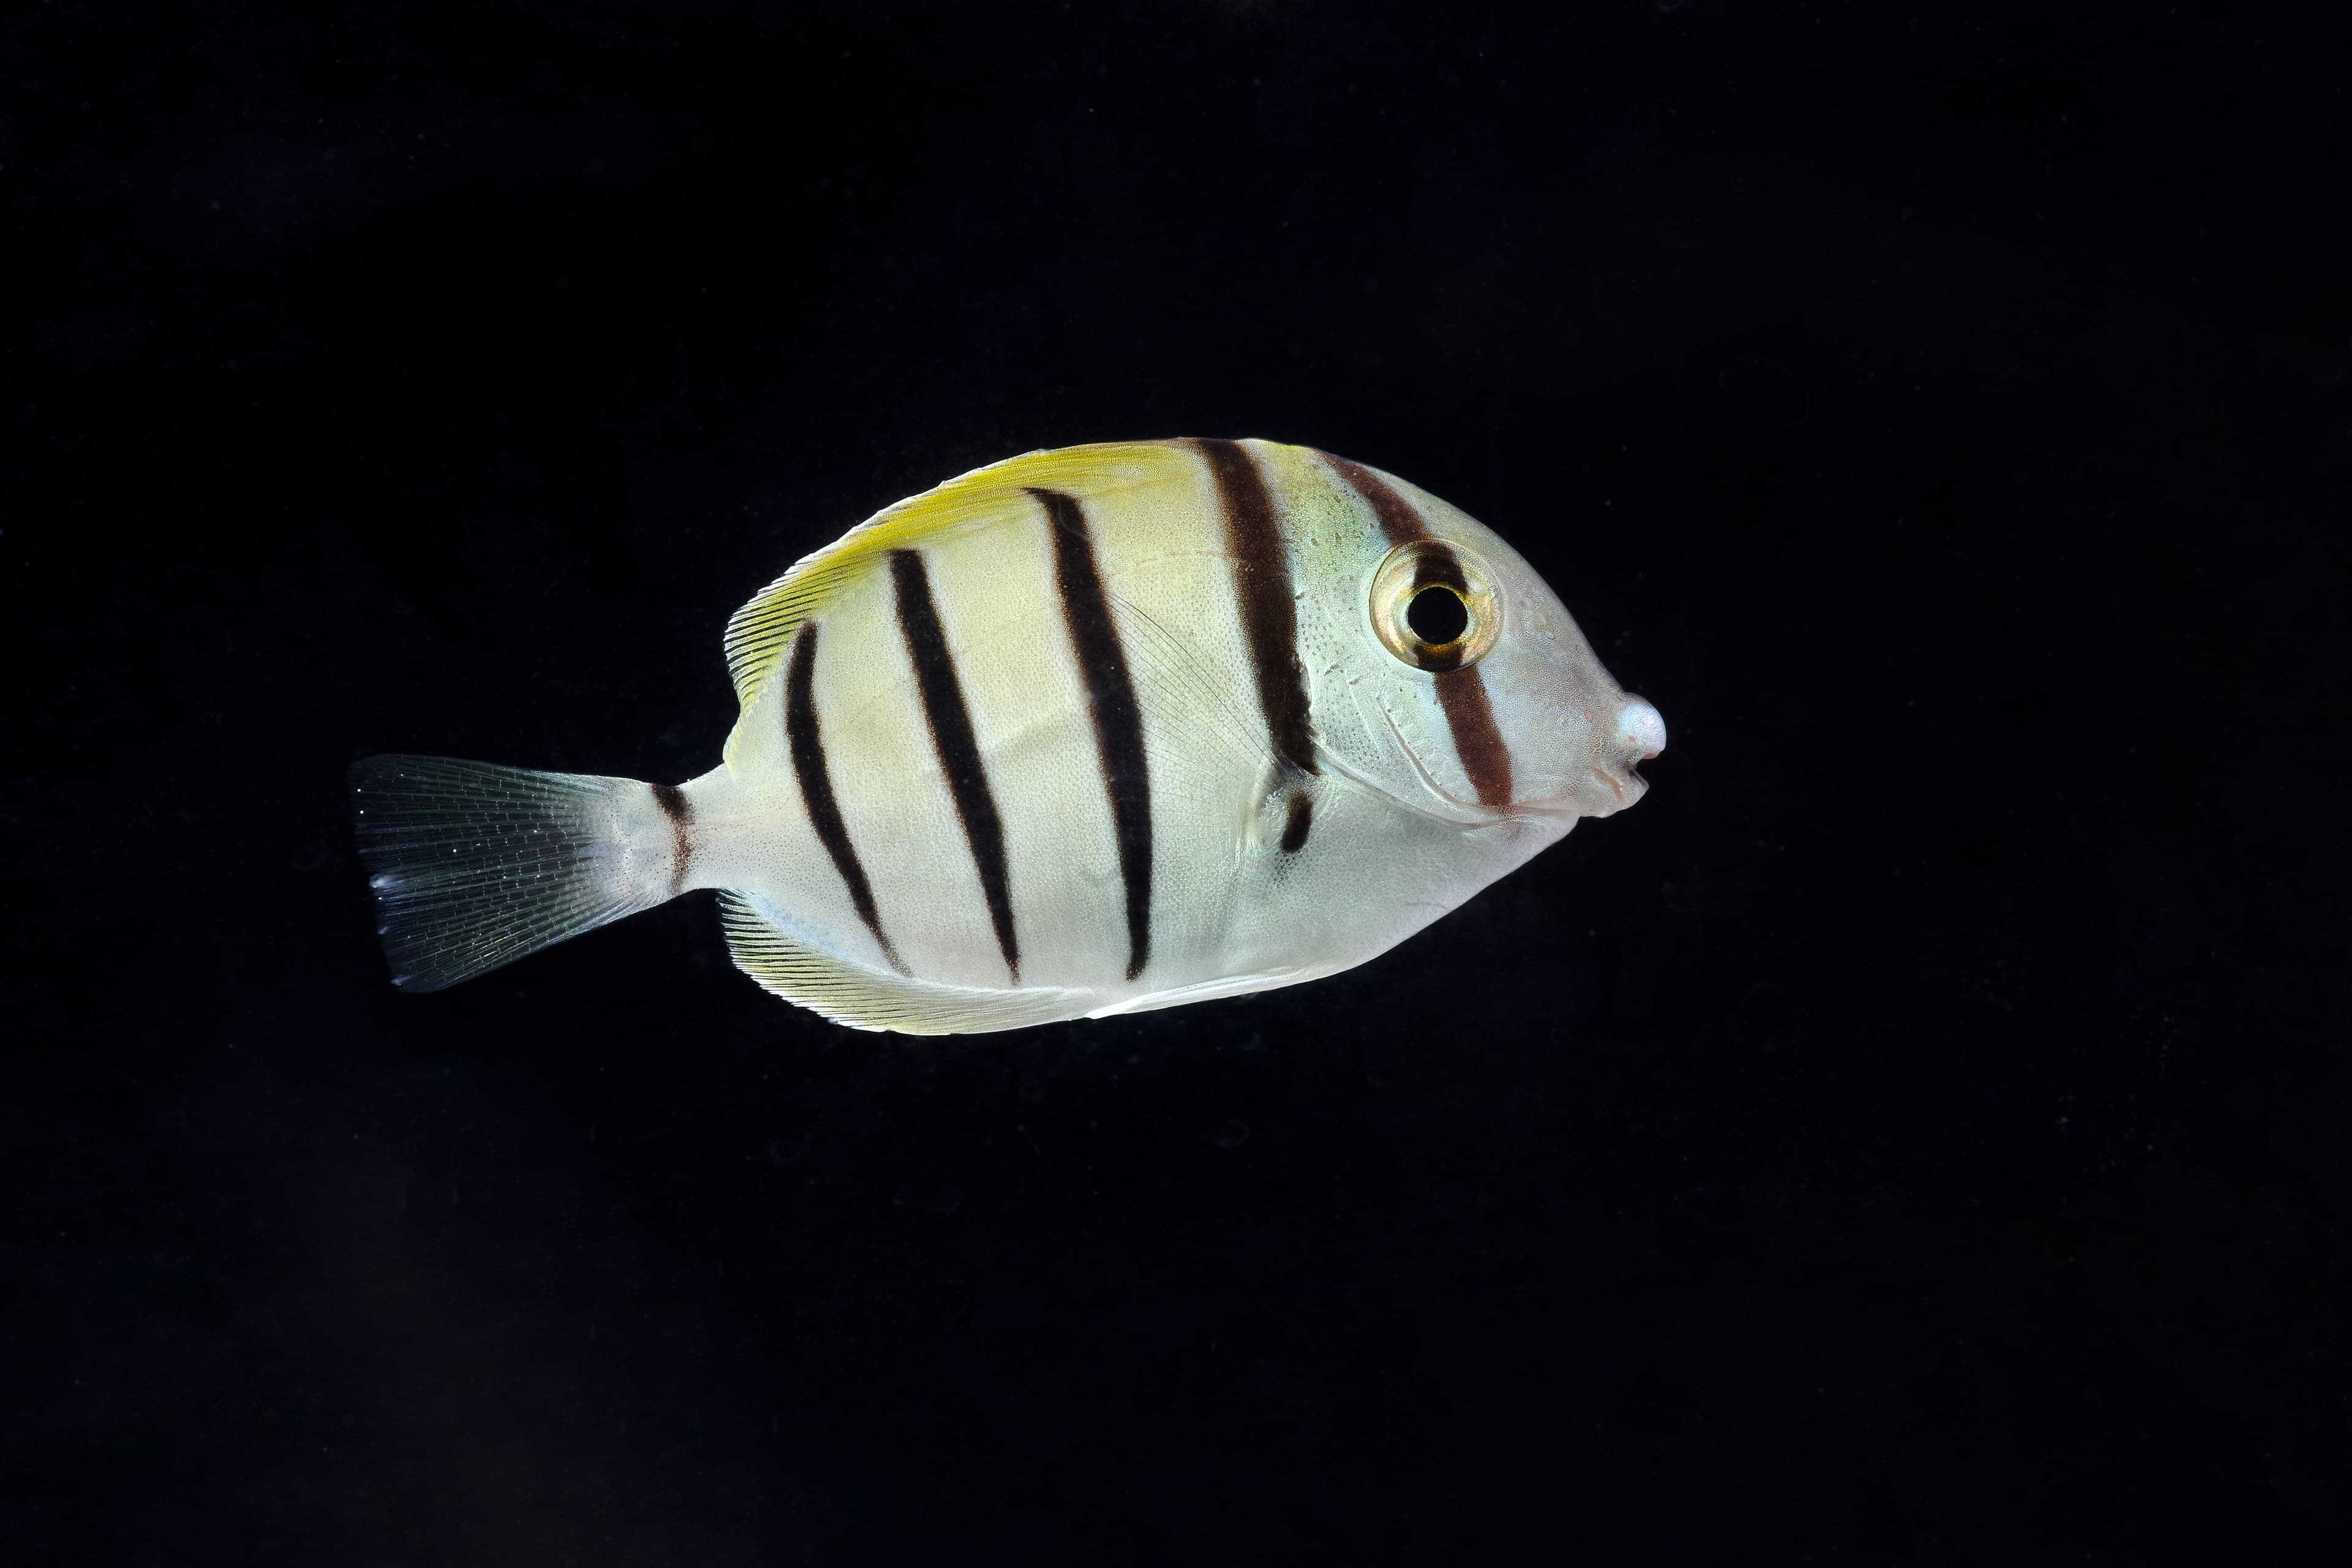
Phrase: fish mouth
x=1622 y=787
x=1639 y=734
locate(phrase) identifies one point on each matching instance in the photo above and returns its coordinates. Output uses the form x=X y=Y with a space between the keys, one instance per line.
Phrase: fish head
x=1491 y=703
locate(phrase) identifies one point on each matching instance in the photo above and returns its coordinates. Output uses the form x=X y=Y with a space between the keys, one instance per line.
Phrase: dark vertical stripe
x=958 y=747
x=1400 y=519
x=1462 y=693
x=1485 y=757
x=1262 y=584
x=1301 y=820
x=807 y=738
x=1110 y=699
x=673 y=802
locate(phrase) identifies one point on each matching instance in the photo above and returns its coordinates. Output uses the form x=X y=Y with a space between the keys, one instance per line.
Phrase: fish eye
x=1434 y=606
x=1438 y=616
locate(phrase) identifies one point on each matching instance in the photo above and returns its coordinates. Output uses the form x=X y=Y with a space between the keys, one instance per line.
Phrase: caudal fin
x=474 y=866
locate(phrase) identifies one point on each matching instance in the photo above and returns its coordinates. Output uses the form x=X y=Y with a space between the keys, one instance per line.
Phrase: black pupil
x=1438 y=616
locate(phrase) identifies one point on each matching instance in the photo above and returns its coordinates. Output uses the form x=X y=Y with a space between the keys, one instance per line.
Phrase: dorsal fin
x=759 y=633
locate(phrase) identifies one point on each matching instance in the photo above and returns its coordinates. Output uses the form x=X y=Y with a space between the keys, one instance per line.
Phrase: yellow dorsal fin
x=759 y=633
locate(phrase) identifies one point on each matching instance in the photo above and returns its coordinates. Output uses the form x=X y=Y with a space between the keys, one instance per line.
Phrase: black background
x=1915 y=1134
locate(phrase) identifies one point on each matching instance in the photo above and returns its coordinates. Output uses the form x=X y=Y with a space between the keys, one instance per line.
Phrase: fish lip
x=1623 y=790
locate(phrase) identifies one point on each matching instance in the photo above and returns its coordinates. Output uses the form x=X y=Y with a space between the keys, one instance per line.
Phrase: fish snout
x=1635 y=733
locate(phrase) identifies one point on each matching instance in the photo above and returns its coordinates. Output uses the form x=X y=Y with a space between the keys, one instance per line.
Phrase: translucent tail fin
x=474 y=866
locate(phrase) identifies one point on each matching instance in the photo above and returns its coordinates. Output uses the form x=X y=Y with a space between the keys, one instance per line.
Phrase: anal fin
x=862 y=998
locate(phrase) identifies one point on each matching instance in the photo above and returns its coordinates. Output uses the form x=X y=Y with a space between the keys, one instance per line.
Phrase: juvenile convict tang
x=1084 y=732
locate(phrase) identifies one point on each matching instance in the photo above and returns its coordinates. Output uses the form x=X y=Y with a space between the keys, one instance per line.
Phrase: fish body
x=1084 y=732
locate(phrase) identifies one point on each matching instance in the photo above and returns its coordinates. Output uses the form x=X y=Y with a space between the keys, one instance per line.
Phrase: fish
x=1085 y=732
